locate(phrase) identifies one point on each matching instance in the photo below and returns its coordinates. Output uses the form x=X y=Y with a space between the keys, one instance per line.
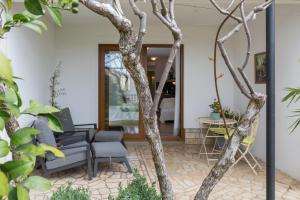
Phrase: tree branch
x=236 y=29
x=158 y=14
x=142 y=30
x=225 y=11
x=107 y=10
x=172 y=10
x=249 y=41
x=177 y=35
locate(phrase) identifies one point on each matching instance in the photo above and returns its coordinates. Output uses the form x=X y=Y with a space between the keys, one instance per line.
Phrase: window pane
x=122 y=106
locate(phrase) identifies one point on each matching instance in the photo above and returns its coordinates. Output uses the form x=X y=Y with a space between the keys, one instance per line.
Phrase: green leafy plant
x=293 y=96
x=55 y=91
x=231 y=114
x=215 y=107
x=35 y=9
x=15 y=179
x=70 y=193
x=138 y=189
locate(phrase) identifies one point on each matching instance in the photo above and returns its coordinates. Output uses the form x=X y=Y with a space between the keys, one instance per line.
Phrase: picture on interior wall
x=260 y=60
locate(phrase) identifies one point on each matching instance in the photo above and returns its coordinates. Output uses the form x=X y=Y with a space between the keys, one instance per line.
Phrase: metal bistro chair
x=206 y=126
x=245 y=147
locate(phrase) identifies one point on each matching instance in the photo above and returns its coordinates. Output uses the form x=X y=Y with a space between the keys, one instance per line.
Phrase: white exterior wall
x=77 y=48
x=32 y=58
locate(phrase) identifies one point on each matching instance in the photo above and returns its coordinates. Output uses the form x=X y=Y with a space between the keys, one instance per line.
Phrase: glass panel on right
x=169 y=105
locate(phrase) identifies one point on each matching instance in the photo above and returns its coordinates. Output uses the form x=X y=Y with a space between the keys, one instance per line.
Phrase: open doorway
x=169 y=109
x=118 y=102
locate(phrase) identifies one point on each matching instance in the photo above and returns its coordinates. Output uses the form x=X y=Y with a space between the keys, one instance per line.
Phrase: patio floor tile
x=186 y=169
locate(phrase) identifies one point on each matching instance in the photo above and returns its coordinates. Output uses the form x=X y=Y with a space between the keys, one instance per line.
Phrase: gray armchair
x=76 y=133
x=76 y=154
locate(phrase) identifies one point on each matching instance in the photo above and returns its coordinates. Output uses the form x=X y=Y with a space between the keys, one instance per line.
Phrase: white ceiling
x=188 y=12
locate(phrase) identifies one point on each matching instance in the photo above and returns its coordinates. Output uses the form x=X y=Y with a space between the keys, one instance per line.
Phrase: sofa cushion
x=109 y=136
x=108 y=150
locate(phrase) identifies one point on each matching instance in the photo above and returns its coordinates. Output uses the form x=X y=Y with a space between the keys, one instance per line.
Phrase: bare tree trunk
x=130 y=45
x=12 y=124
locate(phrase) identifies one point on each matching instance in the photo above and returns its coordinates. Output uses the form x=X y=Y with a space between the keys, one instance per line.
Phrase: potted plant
x=216 y=109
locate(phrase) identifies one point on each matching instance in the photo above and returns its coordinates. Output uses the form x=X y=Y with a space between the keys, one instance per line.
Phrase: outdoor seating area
x=87 y=147
x=187 y=170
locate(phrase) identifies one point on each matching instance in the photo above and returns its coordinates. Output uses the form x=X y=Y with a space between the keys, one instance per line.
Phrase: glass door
x=119 y=104
x=119 y=107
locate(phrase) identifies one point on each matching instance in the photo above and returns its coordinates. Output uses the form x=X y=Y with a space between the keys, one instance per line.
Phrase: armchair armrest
x=91 y=124
x=74 y=146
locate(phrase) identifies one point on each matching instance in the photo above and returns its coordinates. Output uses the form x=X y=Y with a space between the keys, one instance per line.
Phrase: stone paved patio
x=186 y=170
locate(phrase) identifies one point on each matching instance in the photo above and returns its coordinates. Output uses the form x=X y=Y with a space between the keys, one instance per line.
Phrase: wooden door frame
x=101 y=89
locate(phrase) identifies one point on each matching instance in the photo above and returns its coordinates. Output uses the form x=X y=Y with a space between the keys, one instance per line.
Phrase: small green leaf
x=11 y=96
x=5 y=68
x=4 y=149
x=53 y=123
x=40 y=24
x=2 y=126
x=19 y=99
x=23 y=136
x=22 y=193
x=4 y=185
x=34 y=7
x=56 y=15
x=37 y=183
x=17 y=168
x=13 y=109
x=52 y=149
x=36 y=109
x=17 y=78
x=21 y=17
x=4 y=115
x=9 y=4
x=32 y=150
x=12 y=194
x=34 y=27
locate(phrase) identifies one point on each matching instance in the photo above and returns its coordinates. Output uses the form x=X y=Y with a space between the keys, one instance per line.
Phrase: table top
x=220 y=122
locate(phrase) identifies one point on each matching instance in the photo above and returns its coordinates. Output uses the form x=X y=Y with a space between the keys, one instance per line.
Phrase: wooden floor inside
x=166 y=129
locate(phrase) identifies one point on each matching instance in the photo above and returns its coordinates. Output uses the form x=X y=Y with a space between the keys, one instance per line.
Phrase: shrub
x=69 y=193
x=138 y=189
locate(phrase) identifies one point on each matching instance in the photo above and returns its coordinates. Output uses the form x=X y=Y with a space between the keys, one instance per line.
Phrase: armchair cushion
x=45 y=135
x=73 y=153
x=109 y=136
x=66 y=119
x=72 y=156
